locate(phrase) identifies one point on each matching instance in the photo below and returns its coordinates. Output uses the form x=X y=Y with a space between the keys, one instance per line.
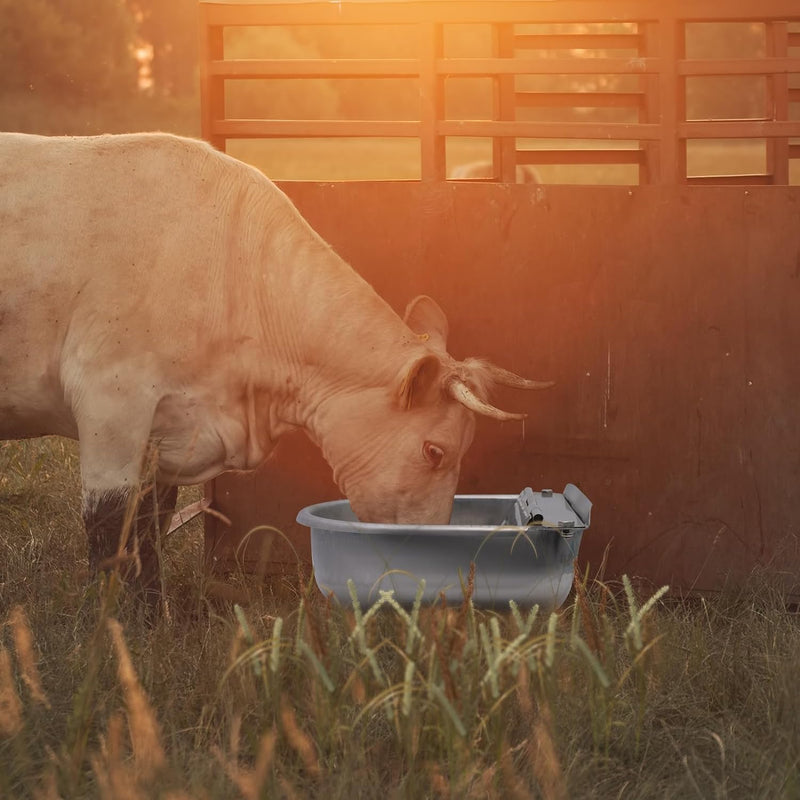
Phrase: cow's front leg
x=156 y=508
x=124 y=528
x=110 y=520
x=119 y=512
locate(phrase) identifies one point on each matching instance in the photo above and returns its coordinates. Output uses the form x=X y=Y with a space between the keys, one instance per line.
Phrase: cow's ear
x=425 y=318
x=421 y=382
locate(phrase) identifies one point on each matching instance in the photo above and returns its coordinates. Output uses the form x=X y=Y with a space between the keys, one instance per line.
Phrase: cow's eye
x=433 y=454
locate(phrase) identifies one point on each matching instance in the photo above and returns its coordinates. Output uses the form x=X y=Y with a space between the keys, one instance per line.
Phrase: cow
x=167 y=306
x=484 y=170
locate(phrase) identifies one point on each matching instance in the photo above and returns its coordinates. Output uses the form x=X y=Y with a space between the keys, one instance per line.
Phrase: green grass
x=621 y=693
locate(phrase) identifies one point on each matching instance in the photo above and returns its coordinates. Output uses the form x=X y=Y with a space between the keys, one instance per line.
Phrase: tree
x=170 y=28
x=72 y=48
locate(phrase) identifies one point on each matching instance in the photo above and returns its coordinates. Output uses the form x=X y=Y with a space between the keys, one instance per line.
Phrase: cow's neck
x=318 y=330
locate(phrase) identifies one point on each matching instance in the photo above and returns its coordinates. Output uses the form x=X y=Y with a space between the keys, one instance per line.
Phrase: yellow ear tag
x=423 y=337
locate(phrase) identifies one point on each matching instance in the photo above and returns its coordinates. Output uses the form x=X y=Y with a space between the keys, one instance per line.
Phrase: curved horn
x=506 y=378
x=459 y=390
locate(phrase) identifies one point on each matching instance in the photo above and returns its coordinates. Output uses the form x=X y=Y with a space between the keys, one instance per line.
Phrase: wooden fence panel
x=643 y=39
x=667 y=316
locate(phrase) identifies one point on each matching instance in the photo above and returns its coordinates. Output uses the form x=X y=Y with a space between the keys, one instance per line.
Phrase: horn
x=506 y=378
x=459 y=390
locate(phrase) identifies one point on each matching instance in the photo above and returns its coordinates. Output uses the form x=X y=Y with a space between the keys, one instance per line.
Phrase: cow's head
x=396 y=451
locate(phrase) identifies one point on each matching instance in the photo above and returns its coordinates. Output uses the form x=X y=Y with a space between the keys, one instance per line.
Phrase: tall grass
x=624 y=692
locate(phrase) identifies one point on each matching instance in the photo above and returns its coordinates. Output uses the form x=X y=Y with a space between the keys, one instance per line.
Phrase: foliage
x=78 y=49
x=170 y=28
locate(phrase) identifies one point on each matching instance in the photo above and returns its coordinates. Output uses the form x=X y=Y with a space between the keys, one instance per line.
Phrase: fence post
x=212 y=89
x=777 y=99
x=433 y=159
x=504 y=148
x=672 y=100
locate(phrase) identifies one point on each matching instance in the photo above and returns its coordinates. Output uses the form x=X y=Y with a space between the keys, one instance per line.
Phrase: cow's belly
x=31 y=404
x=31 y=328
x=26 y=423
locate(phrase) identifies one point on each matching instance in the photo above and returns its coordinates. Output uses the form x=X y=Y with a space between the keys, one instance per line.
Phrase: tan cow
x=484 y=170
x=158 y=296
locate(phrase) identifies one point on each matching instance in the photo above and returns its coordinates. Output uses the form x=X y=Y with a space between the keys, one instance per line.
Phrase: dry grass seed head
x=546 y=764
x=357 y=689
x=485 y=785
x=23 y=644
x=236 y=728
x=592 y=634
x=144 y=731
x=524 y=691
x=469 y=590
x=250 y=782
x=48 y=787
x=299 y=741
x=266 y=752
x=10 y=704
x=115 y=779
x=318 y=619
x=236 y=645
x=439 y=783
x=288 y=790
x=513 y=785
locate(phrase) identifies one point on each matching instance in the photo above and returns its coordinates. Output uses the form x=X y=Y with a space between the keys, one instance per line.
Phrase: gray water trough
x=523 y=547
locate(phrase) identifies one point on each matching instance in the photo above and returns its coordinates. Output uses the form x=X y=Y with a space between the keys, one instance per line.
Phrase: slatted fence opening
x=663 y=303
x=651 y=91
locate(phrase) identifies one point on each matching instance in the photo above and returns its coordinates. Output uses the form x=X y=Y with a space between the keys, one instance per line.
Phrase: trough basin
x=529 y=564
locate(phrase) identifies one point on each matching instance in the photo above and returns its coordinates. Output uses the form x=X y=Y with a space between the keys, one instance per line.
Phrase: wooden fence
x=589 y=41
x=666 y=313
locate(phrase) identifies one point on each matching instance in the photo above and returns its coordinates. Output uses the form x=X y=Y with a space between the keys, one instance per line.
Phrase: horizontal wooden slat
x=738 y=66
x=580 y=156
x=663 y=94
x=549 y=130
x=578 y=99
x=315 y=68
x=257 y=128
x=500 y=11
x=578 y=41
x=409 y=67
x=476 y=67
x=299 y=128
x=729 y=180
x=738 y=129
x=466 y=12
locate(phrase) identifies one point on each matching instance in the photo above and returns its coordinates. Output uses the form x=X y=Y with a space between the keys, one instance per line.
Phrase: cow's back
x=107 y=244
